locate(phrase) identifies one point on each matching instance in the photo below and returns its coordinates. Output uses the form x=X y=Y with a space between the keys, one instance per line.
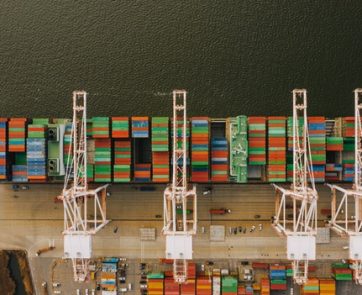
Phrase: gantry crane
x=349 y=201
x=179 y=227
x=84 y=208
x=301 y=230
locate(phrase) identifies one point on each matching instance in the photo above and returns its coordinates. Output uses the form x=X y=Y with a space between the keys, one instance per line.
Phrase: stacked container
x=334 y=144
x=348 y=159
x=155 y=284
x=264 y=287
x=278 y=278
x=140 y=127
x=20 y=173
x=160 y=149
x=342 y=272
x=142 y=172
x=3 y=126
x=67 y=144
x=189 y=287
x=203 y=286
x=327 y=287
x=100 y=127
x=171 y=287
x=200 y=149
x=257 y=140
x=229 y=286
x=317 y=140
x=109 y=275
x=219 y=159
x=239 y=149
x=277 y=149
x=17 y=128
x=348 y=127
x=37 y=130
x=36 y=159
x=216 y=283
x=20 y=170
x=103 y=158
x=120 y=127
x=333 y=171
x=311 y=287
x=122 y=161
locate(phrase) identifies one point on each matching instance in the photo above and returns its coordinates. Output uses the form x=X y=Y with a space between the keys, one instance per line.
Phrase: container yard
x=117 y=246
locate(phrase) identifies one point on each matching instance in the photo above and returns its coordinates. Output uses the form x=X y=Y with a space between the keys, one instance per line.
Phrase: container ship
x=137 y=149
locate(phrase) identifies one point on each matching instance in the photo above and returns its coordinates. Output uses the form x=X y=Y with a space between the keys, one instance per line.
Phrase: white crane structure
x=84 y=208
x=346 y=213
x=302 y=197
x=179 y=226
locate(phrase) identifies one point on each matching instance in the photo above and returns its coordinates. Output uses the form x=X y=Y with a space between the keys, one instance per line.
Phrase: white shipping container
x=216 y=286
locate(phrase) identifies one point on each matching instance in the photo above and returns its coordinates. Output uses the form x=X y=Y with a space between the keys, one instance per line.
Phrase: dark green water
x=15 y=273
x=234 y=57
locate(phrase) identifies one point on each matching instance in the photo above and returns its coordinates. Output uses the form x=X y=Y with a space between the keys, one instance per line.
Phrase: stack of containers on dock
x=342 y=272
x=278 y=277
x=17 y=127
x=264 y=286
x=229 y=286
x=289 y=270
x=100 y=127
x=140 y=127
x=241 y=290
x=203 y=286
x=276 y=149
x=103 y=160
x=120 y=127
x=219 y=159
x=311 y=287
x=36 y=159
x=155 y=284
x=142 y=172
x=216 y=282
x=160 y=149
x=327 y=287
x=239 y=149
x=67 y=144
x=189 y=287
x=317 y=140
x=3 y=170
x=108 y=277
x=200 y=149
x=171 y=287
x=257 y=140
x=122 y=161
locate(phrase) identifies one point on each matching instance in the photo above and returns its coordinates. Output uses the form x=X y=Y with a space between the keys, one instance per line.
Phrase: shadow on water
x=16 y=274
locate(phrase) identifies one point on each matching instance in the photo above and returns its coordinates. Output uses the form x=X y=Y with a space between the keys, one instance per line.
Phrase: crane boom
x=302 y=229
x=349 y=201
x=82 y=218
x=179 y=225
